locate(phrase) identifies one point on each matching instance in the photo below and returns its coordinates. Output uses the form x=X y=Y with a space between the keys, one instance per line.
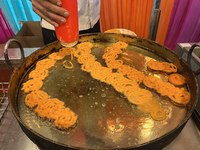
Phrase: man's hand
x=50 y=10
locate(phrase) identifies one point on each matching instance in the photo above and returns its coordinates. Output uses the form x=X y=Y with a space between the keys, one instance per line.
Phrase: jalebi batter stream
x=125 y=79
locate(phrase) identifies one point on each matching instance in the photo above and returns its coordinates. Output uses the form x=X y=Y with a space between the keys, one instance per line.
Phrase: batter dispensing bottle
x=68 y=32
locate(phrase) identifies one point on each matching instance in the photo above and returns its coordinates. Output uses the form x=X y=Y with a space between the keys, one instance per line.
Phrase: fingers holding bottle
x=50 y=10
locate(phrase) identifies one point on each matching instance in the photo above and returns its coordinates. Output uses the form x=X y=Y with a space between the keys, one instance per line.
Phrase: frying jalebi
x=122 y=84
x=169 y=67
x=101 y=73
x=136 y=75
x=113 y=63
x=177 y=79
x=110 y=56
x=45 y=64
x=125 y=79
x=120 y=45
x=66 y=119
x=85 y=45
x=52 y=108
x=165 y=88
x=31 y=101
x=155 y=65
x=86 y=57
x=181 y=96
x=89 y=66
x=176 y=94
x=125 y=69
x=150 y=81
x=159 y=114
x=32 y=85
x=77 y=53
x=41 y=95
x=130 y=88
x=36 y=97
x=162 y=66
x=66 y=51
x=56 y=56
x=39 y=74
x=41 y=111
x=68 y=64
x=45 y=107
x=139 y=97
x=153 y=107
x=112 y=77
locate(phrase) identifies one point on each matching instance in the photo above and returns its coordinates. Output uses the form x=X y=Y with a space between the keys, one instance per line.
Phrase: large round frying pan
x=106 y=120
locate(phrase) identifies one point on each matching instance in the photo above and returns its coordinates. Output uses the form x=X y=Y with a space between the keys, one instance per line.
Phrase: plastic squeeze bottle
x=68 y=33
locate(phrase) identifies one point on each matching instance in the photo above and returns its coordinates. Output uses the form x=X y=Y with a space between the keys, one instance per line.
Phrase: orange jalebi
x=51 y=109
x=32 y=85
x=45 y=64
x=177 y=79
x=153 y=107
x=126 y=80
x=162 y=66
x=178 y=95
x=90 y=65
x=128 y=86
x=66 y=119
x=85 y=57
x=68 y=64
x=39 y=74
x=31 y=101
x=36 y=97
x=56 y=56
x=181 y=96
x=150 y=81
x=85 y=46
x=66 y=51
x=121 y=45
x=112 y=62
